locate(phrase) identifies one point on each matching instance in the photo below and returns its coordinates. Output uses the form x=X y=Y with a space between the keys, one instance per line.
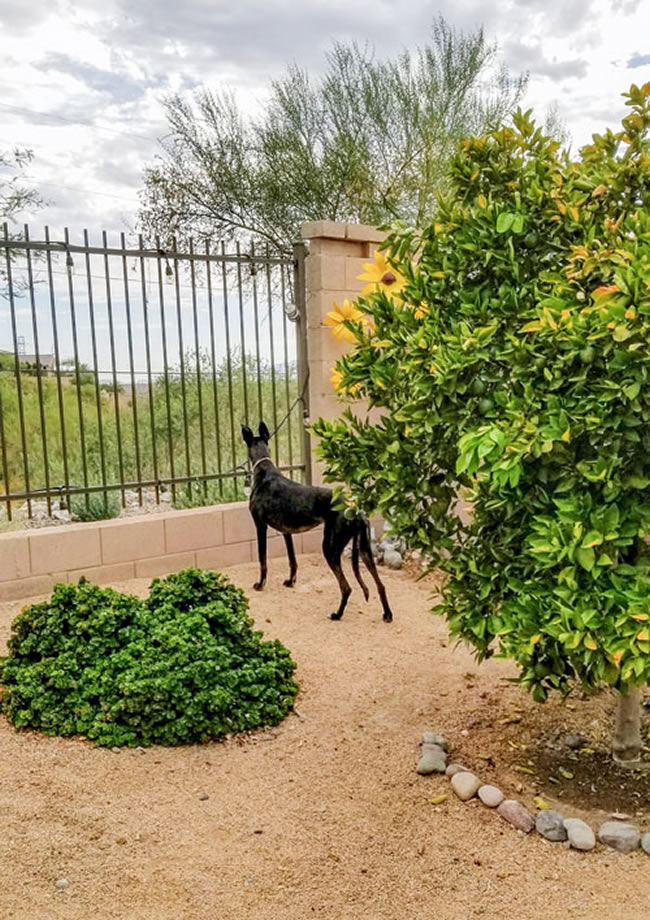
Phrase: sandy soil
x=324 y=815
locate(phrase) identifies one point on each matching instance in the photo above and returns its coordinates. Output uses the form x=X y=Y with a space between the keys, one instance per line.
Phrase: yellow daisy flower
x=336 y=378
x=382 y=276
x=337 y=318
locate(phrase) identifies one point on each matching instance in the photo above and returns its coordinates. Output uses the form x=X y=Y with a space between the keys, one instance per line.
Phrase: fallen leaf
x=567 y=774
x=439 y=799
x=542 y=804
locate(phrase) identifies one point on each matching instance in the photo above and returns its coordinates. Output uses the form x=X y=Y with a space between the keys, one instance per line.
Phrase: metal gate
x=125 y=371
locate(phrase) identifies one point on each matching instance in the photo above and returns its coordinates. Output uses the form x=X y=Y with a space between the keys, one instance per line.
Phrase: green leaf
x=622 y=333
x=586 y=558
x=505 y=221
x=593 y=538
x=633 y=390
x=518 y=223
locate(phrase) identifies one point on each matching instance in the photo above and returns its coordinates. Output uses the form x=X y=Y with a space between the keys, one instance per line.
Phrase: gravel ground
x=322 y=816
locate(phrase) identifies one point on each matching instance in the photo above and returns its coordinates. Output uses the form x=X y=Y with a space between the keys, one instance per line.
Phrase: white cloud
x=82 y=83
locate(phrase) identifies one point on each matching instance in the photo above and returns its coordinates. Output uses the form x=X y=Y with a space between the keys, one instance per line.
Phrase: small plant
x=199 y=494
x=184 y=665
x=98 y=507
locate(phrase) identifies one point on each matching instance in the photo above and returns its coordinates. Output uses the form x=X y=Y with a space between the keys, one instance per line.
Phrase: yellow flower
x=336 y=378
x=421 y=311
x=382 y=277
x=337 y=318
x=337 y=383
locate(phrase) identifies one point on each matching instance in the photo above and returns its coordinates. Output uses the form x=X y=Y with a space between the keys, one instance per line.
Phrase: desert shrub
x=184 y=665
x=95 y=507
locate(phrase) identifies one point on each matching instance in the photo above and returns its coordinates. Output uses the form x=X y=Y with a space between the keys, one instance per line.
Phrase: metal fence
x=126 y=371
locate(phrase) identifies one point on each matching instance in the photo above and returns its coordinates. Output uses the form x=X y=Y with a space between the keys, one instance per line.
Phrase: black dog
x=290 y=507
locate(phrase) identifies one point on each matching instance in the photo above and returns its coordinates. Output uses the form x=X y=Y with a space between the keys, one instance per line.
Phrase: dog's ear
x=247 y=435
x=264 y=432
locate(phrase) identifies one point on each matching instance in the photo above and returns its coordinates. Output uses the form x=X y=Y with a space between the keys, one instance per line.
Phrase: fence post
x=336 y=256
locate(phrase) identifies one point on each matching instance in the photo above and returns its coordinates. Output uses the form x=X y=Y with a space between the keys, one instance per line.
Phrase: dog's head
x=258 y=444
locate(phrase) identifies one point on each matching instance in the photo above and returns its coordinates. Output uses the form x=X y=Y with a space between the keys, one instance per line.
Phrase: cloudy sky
x=82 y=82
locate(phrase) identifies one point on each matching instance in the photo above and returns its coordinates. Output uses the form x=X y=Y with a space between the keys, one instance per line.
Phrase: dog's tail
x=361 y=533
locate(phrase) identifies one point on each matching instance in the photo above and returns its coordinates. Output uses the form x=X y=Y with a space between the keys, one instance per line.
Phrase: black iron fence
x=126 y=370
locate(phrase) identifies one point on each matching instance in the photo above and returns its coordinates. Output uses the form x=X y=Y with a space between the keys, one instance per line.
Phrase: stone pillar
x=336 y=256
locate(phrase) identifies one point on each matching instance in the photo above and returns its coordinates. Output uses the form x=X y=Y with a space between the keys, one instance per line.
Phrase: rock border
x=550 y=824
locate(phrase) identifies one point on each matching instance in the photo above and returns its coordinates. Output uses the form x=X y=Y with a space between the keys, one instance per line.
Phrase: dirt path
x=321 y=817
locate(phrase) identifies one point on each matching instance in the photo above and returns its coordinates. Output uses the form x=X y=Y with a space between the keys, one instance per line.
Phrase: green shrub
x=184 y=665
x=198 y=494
x=95 y=507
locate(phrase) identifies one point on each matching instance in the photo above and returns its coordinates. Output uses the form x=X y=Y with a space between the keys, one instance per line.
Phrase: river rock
x=515 y=813
x=465 y=785
x=392 y=559
x=550 y=824
x=491 y=796
x=581 y=836
x=435 y=738
x=454 y=768
x=432 y=760
x=622 y=837
x=645 y=843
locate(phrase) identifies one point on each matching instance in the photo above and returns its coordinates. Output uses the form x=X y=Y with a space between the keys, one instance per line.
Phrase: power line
x=78 y=188
x=78 y=121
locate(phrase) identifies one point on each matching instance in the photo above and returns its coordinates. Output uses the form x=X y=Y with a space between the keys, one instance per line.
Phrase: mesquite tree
x=368 y=141
x=513 y=368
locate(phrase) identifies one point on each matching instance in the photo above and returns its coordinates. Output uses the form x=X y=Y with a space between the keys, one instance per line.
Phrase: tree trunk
x=626 y=745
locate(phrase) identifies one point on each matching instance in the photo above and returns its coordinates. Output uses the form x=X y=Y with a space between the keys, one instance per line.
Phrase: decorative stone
x=465 y=785
x=491 y=796
x=515 y=813
x=550 y=824
x=432 y=760
x=581 y=836
x=435 y=738
x=61 y=883
x=433 y=749
x=645 y=843
x=622 y=837
x=392 y=559
x=204 y=797
x=454 y=768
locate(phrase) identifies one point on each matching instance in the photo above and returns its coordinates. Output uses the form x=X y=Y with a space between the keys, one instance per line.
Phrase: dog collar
x=261 y=460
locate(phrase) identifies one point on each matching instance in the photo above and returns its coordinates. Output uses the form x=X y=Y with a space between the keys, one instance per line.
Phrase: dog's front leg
x=261 y=552
x=293 y=565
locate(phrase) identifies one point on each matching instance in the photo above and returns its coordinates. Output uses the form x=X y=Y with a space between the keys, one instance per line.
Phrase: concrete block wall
x=337 y=253
x=33 y=561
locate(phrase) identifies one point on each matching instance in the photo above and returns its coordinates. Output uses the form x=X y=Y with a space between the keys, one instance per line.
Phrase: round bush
x=184 y=665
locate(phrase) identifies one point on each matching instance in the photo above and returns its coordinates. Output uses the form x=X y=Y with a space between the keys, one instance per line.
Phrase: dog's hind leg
x=332 y=549
x=366 y=555
x=293 y=565
x=355 y=565
x=261 y=552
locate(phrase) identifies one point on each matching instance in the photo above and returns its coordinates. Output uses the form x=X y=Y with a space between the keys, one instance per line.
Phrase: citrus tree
x=508 y=344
